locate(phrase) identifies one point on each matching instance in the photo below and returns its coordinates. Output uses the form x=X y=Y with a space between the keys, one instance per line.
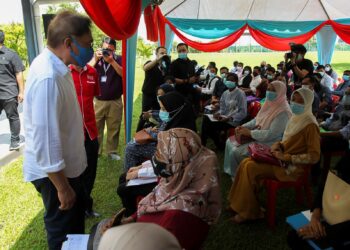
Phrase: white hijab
x=298 y=122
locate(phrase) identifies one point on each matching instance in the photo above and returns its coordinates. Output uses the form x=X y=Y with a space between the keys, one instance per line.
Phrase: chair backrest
x=253 y=109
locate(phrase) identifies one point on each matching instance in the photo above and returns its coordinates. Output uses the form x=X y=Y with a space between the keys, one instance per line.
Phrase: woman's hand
x=127 y=220
x=132 y=169
x=276 y=147
x=279 y=155
x=245 y=131
x=132 y=175
x=146 y=115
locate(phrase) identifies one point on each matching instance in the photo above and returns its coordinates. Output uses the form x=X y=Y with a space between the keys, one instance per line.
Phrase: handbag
x=262 y=153
x=336 y=200
x=143 y=137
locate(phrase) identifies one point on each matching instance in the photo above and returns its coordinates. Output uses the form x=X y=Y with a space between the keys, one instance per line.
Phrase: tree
x=15 y=39
x=144 y=50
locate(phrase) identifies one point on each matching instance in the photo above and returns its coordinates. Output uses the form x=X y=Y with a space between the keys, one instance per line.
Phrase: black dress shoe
x=91 y=214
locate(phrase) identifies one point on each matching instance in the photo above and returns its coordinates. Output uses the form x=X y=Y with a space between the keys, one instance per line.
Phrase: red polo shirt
x=87 y=87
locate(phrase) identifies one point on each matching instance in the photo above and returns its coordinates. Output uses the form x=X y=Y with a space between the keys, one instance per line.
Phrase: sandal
x=117 y=219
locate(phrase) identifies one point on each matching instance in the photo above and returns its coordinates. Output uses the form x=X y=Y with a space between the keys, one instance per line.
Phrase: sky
x=11 y=11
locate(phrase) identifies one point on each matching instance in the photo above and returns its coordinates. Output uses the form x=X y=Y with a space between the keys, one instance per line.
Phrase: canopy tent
x=272 y=23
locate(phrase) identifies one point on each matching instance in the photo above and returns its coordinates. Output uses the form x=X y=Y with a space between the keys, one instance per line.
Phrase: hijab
x=271 y=109
x=180 y=112
x=299 y=122
x=194 y=185
x=149 y=237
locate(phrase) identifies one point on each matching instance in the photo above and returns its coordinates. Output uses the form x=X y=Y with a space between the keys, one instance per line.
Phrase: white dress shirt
x=327 y=81
x=254 y=83
x=209 y=89
x=53 y=123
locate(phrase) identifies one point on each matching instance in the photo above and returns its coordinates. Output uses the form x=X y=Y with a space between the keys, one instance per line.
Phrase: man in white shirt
x=54 y=156
x=256 y=79
x=209 y=85
x=326 y=80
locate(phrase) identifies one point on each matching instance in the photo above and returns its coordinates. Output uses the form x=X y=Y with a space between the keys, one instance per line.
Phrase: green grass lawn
x=21 y=209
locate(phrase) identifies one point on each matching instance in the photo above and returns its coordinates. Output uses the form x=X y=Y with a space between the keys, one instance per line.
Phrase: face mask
x=271 y=96
x=84 y=56
x=315 y=67
x=321 y=73
x=239 y=68
x=297 y=108
x=164 y=116
x=306 y=87
x=211 y=74
x=327 y=68
x=223 y=76
x=299 y=58
x=346 y=77
x=279 y=71
x=230 y=84
x=269 y=77
x=183 y=55
x=159 y=168
x=246 y=72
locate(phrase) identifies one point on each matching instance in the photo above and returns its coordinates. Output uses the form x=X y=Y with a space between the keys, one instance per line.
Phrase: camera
x=106 y=52
x=289 y=55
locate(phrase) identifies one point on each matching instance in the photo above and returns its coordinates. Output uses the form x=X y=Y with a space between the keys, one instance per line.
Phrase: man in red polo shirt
x=87 y=87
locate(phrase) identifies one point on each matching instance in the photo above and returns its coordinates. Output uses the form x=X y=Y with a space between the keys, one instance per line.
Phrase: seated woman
x=266 y=128
x=246 y=79
x=233 y=109
x=187 y=199
x=300 y=146
x=175 y=113
x=319 y=230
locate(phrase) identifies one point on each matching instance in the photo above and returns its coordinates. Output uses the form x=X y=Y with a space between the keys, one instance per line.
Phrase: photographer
x=109 y=105
x=296 y=62
x=155 y=71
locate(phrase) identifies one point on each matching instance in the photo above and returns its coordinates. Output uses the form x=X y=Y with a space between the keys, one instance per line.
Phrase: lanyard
x=106 y=68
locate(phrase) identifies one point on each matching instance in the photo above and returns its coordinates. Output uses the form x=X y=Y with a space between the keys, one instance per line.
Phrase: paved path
x=7 y=156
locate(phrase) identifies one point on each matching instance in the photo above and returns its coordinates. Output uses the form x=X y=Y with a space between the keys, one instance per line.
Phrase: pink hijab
x=194 y=186
x=271 y=109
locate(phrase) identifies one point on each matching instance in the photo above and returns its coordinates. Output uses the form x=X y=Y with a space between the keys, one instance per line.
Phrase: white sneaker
x=114 y=156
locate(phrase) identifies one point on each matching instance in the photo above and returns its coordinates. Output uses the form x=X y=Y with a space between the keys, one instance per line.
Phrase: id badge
x=103 y=78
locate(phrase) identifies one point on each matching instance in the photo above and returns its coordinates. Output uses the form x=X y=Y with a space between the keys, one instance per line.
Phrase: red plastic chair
x=273 y=185
x=253 y=109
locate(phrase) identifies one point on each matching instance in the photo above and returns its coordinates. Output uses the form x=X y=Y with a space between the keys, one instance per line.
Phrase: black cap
x=110 y=41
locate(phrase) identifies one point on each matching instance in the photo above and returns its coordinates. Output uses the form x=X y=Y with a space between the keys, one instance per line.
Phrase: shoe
x=114 y=156
x=14 y=145
x=91 y=214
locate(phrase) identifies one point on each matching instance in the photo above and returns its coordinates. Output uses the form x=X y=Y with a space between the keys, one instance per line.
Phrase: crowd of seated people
x=179 y=186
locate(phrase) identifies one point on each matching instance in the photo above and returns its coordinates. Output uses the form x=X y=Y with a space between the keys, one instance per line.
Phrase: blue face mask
x=297 y=108
x=269 y=77
x=182 y=55
x=271 y=96
x=84 y=56
x=164 y=116
x=346 y=77
x=212 y=75
x=230 y=84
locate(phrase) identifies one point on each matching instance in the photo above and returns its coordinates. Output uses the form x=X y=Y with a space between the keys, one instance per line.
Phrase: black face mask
x=159 y=168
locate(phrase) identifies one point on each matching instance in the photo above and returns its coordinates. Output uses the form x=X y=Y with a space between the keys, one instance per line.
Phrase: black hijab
x=180 y=112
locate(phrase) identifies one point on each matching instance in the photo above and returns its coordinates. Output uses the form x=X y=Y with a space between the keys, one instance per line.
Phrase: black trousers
x=10 y=106
x=59 y=223
x=89 y=175
x=149 y=102
x=213 y=130
x=128 y=195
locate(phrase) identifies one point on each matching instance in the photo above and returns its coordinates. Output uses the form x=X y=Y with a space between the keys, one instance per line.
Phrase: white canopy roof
x=271 y=10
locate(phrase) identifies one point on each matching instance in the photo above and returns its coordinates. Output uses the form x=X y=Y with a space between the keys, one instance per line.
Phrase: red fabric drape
x=343 y=31
x=161 y=25
x=212 y=46
x=151 y=22
x=281 y=44
x=117 y=18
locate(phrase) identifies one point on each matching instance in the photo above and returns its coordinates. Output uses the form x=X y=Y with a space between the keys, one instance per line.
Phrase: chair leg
x=271 y=204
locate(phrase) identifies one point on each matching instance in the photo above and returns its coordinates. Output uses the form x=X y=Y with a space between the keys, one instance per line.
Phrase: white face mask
x=239 y=68
x=328 y=68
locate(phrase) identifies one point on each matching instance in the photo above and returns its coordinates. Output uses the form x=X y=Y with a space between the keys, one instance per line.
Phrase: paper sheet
x=211 y=118
x=76 y=242
x=136 y=182
x=307 y=214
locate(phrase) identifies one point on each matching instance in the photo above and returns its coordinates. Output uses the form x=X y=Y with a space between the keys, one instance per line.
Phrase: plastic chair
x=253 y=109
x=273 y=185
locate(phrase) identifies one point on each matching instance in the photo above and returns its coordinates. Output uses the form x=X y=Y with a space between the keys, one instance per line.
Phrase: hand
x=146 y=115
x=132 y=175
x=276 y=147
x=136 y=168
x=192 y=79
x=160 y=58
x=293 y=59
x=155 y=129
x=98 y=54
x=127 y=220
x=109 y=59
x=244 y=131
x=216 y=116
x=279 y=155
x=20 y=97
x=237 y=130
x=67 y=198
x=223 y=118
